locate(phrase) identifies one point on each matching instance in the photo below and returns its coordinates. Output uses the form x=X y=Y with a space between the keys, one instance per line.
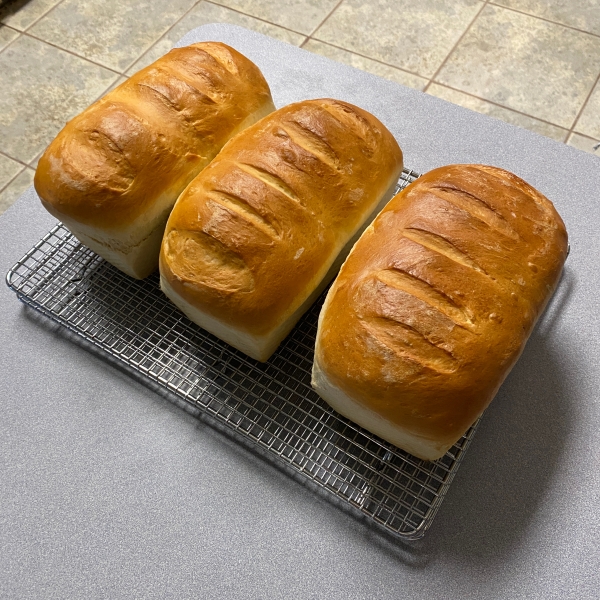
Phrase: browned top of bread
x=257 y=230
x=437 y=299
x=126 y=149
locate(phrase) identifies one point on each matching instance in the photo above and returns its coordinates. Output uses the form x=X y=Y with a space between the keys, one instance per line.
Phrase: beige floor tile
x=589 y=120
x=15 y=188
x=504 y=114
x=47 y=87
x=206 y=12
x=113 y=33
x=301 y=15
x=8 y=170
x=415 y=36
x=539 y=68
x=582 y=142
x=7 y=36
x=582 y=14
x=366 y=64
x=23 y=13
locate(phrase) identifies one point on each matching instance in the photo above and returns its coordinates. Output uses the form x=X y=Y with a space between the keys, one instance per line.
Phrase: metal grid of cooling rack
x=272 y=406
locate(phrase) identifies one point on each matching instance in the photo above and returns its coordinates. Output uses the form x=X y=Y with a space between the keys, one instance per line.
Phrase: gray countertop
x=108 y=490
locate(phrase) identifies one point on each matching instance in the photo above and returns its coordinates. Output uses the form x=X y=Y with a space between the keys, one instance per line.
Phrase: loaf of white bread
x=435 y=303
x=112 y=175
x=264 y=228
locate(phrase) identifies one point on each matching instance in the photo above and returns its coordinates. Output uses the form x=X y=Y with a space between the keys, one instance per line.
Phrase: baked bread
x=434 y=305
x=260 y=232
x=114 y=172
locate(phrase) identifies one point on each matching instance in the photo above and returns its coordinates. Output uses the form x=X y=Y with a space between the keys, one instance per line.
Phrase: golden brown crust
x=436 y=301
x=256 y=231
x=147 y=138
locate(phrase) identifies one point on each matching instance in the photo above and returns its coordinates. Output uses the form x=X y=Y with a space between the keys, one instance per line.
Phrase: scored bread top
x=437 y=299
x=254 y=234
x=150 y=135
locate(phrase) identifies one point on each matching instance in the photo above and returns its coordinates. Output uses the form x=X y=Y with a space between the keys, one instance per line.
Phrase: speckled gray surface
x=110 y=491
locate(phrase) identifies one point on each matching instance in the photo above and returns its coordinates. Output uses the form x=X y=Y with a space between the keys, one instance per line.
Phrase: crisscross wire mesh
x=271 y=405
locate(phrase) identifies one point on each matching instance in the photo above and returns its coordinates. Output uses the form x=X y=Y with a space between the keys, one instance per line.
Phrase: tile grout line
x=117 y=72
x=442 y=84
x=138 y=57
x=524 y=114
x=488 y=3
x=588 y=137
x=160 y=38
x=25 y=166
x=460 y=39
x=381 y=62
x=97 y=64
x=309 y=36
x=18 y=160
x=437 y=83
x=491 y=2
x=2 y=189
x=124 y=71
x=580 y=112
x=239 y=12
x=30 y=165
x=6 y=26
x=11 y=28
x=22 y=32
x=11 y=41
x=42 y=16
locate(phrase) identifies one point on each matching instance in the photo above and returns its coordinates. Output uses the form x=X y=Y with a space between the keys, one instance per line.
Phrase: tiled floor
x=533 y=63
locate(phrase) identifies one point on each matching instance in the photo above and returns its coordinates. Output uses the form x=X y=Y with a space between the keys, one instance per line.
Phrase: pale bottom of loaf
x=137 y=258
x=371 y=421
x=260 y=347
x=254 y=346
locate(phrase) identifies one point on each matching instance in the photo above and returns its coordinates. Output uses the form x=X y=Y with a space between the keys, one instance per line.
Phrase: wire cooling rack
x=270 y=407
